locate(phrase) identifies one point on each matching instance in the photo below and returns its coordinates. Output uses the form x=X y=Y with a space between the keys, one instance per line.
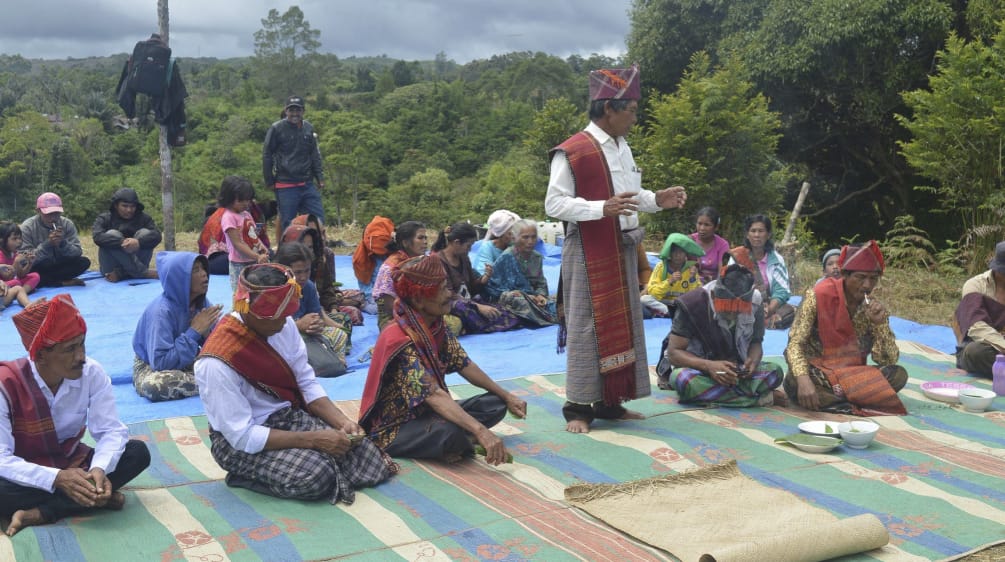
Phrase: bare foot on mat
x=112 y=277
x=24 y=518
x=115 y=502
x=73 y=282
x=577 y=426
x=632 y=415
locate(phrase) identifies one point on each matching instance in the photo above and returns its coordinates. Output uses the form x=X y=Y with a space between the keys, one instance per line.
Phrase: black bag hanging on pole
x=148 y=67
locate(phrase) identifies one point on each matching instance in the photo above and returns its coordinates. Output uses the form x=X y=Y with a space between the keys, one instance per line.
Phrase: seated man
x=980 y=317
x=406 y=407
x=173 y=328
x=835 y=330
x=50 y=399
x=715 y=342
x=126 y=238
x=51 y=240
x=274 y=430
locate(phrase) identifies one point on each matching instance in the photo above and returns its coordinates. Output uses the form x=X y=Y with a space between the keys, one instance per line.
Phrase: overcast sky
x=403 y=29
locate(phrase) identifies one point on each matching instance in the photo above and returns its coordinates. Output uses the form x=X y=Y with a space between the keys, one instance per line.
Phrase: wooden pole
x=796 y=209
x=788 y=245
x=167 y=180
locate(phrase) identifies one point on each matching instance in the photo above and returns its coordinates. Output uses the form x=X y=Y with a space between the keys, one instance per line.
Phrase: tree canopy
x=887 y=108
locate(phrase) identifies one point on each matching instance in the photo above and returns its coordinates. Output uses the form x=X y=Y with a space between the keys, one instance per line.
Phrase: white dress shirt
x=87 y=401
x=237 y=409
x=561 y=201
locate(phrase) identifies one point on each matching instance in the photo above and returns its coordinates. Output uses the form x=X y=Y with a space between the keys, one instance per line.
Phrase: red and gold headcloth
x=48 y=322
x=615 y=84
x=420 y=276
x=862 y=257
x=267 y=302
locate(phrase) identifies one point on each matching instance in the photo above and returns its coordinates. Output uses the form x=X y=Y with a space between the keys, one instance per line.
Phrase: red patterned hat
x=267 y=302
x=48 y=322
x=862 y=257
x=615 y=84
x=420 y=276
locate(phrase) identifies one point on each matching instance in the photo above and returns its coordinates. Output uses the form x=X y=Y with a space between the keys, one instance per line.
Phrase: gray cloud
x=407 y=29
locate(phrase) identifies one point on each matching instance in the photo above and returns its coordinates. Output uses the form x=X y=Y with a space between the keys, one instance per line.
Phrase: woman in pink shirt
x=707 y=224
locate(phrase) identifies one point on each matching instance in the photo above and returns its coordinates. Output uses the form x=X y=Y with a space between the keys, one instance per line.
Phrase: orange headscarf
x=374 y=243
x=48 y=322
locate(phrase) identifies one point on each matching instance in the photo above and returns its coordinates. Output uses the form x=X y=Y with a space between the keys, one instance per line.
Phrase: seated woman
x=675 y=273
x=716 y=247
x=406 y=408
x=173 y=327
x=715 y=343
x=326 y=340
x=452 y=247
x=518 y=283
x=333 y=299
x=771 y=277
x=830 y=264
x=410 y=240
x=369 y=254
x=213 y=242
x=309 y=236
x=498 y=237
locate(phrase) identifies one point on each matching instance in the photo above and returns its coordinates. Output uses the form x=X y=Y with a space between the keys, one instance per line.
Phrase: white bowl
x=823 y=445
x=858 y=434
x=976 y=399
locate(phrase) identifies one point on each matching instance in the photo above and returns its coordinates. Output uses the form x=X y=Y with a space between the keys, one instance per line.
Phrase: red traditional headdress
x=48 y=322
x=264 y=302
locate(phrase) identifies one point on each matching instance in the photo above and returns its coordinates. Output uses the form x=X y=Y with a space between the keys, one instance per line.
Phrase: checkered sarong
x=302 y=473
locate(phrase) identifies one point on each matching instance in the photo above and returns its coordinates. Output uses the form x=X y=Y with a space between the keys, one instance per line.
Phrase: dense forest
x=891 y=110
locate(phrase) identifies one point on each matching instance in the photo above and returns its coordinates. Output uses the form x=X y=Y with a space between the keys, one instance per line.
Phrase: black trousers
x=52 y=274
x=429 y=436
x=57 y=505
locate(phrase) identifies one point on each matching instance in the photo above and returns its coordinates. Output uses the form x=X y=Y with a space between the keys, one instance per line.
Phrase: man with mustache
x=50 y=399
x=838 y=325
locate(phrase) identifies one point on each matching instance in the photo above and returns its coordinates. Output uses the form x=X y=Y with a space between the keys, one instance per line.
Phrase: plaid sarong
x=303 y=474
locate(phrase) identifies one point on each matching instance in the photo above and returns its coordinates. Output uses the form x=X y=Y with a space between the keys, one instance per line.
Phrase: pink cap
x=615 y=83
x=49 y=202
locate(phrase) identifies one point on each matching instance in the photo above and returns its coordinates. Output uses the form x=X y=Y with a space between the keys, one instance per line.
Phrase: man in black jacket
x=290 y=161
x=126 y=238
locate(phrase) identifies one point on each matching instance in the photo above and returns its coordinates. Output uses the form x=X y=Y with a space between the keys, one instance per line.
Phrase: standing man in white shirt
x=50 y=399
x=596 y=188
x=272 y=427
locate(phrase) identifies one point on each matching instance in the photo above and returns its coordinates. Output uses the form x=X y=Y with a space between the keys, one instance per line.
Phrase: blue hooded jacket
x=164 y=338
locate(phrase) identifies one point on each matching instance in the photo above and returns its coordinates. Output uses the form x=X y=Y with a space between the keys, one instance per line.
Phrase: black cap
x=295 y=100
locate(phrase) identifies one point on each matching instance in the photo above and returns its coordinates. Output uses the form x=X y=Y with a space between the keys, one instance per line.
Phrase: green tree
x=834 y=70
x=283 y=49
x=717 y=136
x=554 y=123
x=957 y=130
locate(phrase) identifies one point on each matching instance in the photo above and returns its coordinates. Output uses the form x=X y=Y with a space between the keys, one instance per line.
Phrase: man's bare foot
x=632 y=415
x=73 y=282
x=112 y=277
x=151 y=274
x=453 y=458
x=115 y=502
x=577 y=426
x=24 y=518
